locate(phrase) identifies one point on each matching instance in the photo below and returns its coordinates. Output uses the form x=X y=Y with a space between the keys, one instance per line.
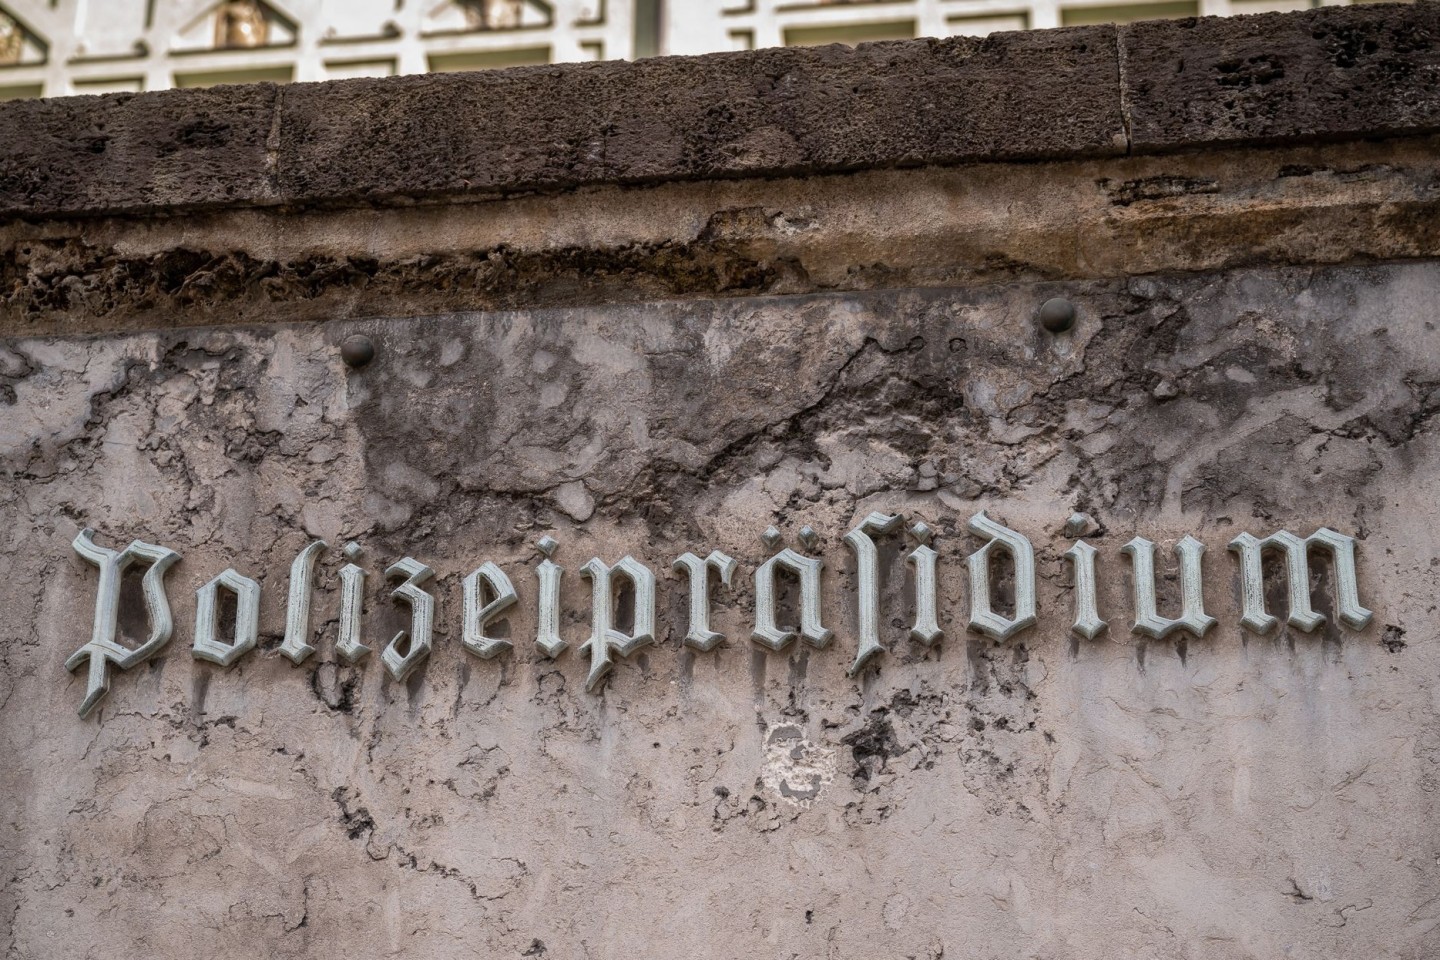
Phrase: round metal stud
x=1057 y=315
x=357 y=351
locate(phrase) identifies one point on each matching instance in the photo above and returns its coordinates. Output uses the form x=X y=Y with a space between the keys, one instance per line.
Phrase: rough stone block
x=172 y=148
x=782 y=111
x=1331 y=74
x=1326 y=73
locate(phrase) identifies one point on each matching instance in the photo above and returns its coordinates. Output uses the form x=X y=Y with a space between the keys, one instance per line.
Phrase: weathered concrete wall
x=650 y=368
x=874 y=230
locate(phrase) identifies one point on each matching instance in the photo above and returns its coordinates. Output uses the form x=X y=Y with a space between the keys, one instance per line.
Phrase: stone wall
x=657 y=308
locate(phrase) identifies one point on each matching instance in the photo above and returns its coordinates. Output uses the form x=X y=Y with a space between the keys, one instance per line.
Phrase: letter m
x=1297 y=577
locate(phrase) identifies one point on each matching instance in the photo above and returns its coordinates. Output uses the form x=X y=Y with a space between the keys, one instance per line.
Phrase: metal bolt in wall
x=357 y=351
x=1057 y=315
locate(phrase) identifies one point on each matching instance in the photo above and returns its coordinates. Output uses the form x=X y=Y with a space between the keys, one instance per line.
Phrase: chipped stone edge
x=243 y=167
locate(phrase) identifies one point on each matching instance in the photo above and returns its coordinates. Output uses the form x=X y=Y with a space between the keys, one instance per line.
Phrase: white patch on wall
x=795 y=769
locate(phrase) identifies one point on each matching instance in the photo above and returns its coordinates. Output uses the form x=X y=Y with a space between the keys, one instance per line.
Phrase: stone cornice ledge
x=1334 y=73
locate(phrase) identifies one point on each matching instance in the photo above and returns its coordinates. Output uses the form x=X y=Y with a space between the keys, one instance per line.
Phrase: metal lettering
x=868 y=589
x=489 y=596
x=701 y=637
x=422 y=618
x=478 y=613
x=1087 y=619
x=208 y=645
x=102 y=648
x=1192 y=599
x=927 y=628
x=352 y=599
x=603 y=636
x=1297 y=579
x=547 y=628
x=982 y=617
x=808 y=570
x=297 y=610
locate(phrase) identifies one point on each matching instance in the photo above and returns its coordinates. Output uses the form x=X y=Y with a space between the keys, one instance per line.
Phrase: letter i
x=352 y=598
x=927 y=629
x=1087 y=620
x=547 y=633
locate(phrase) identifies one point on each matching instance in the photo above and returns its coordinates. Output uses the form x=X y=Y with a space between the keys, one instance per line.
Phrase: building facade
x=935 y=499
x=62 y=47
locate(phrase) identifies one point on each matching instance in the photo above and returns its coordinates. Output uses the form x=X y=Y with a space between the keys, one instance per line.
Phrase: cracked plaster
x=1235 y=796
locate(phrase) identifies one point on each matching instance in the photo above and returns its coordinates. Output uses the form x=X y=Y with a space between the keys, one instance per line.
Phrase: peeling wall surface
x=649 y=369
x=1042 y=796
